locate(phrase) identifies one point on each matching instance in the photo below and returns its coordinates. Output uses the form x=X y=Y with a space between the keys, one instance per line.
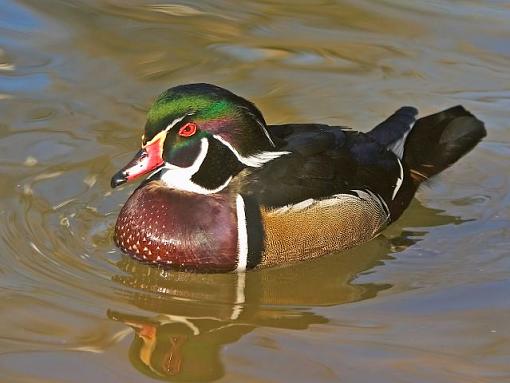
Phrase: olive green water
x=428 y=301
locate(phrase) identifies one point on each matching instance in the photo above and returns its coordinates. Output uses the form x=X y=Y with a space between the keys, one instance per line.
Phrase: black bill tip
x=118 y=179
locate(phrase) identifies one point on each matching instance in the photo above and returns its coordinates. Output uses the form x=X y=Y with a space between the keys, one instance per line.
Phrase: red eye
x=188 y=129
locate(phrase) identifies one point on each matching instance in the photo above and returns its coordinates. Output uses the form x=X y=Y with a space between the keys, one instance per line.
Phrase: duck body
x=230 y=193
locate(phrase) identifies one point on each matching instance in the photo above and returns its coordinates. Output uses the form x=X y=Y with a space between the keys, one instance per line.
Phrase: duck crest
x=227 y=192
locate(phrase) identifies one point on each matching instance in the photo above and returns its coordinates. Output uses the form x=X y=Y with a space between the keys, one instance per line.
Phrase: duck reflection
x=198 y=314
x=195 y=315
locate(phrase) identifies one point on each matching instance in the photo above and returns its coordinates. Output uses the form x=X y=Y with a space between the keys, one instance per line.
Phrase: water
x=425 y=302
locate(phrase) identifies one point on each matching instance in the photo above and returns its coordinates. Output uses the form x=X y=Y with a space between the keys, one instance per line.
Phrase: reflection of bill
x=176 y=348
x=195 y=315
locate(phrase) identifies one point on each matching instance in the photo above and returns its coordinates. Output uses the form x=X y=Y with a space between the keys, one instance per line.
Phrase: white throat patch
x=180 y=178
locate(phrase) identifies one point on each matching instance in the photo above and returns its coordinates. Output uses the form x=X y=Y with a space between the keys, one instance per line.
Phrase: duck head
x=197 y=137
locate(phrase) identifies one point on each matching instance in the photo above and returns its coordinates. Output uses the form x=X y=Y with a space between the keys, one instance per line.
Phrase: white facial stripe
x=261 y=124
x=264 y=129
x=399 y=180
x=180 y=178
x=163 y=133
x=254 y=161
x=175 y=122
x=242 y=235
x=193 y=168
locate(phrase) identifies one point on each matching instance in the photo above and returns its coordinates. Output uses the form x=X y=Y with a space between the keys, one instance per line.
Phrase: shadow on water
x=192 y=316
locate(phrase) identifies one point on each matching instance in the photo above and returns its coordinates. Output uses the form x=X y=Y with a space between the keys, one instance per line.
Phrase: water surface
x=425 y=302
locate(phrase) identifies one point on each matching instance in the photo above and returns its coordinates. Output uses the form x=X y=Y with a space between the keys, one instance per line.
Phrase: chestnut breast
x=182 y=230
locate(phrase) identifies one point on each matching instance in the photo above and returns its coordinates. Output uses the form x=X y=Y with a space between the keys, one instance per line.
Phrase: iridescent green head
x=214 y=111
x=201 y=126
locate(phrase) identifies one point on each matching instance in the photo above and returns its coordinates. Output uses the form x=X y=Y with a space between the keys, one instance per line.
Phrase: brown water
x=428 y=301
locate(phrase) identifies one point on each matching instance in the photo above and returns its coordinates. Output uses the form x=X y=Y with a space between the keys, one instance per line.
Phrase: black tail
x=439 y=140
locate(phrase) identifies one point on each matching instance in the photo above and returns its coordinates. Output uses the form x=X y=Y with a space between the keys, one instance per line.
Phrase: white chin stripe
x=254 y=161
x=242 y=235
x=180 y=178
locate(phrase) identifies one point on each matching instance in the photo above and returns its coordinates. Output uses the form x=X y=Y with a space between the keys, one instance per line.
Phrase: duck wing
x=323 y=161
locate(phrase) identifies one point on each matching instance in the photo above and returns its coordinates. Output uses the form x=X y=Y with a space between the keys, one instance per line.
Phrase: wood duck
x=228 y=192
